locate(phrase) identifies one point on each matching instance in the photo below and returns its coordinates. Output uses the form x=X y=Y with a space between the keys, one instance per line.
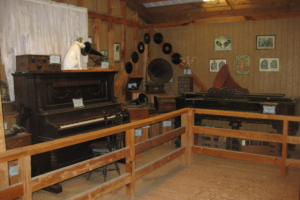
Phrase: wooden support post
x=3 y=166
x=130 y=163
x=97 y=33
x=25 y=177
x=187 y=138
x=284 y=149
x=111 y=33
x=123 y=50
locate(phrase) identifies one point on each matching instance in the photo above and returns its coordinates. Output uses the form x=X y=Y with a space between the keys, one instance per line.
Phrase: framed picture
x=265 y=42
x=117 y=50
x=216 y=64
x=242 y=64
x=223 y=43
x=269 y=64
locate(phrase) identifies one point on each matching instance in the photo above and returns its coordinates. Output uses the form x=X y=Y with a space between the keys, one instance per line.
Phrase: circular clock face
x=54 y=59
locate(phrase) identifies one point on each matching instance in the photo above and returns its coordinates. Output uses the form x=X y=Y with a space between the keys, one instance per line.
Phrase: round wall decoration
x=167 y=48
x=158 y=38
x=176 y=58
x=128 y=67
x=135 y=57
x=147 y=38
x=141 y=47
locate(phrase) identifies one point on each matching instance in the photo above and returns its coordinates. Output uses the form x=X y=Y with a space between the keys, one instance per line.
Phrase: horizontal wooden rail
x=68 y=172
x=104 y=188
x=157 y=140
x=118 y=20
x=251 y=135
x=145 y=169
x=237 y=155
x=247 y=115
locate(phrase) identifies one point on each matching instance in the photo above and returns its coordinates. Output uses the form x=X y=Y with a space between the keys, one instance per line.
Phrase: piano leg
x=56 y=188
x=234 y=143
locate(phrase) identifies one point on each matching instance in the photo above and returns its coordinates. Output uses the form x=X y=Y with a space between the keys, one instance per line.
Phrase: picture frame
x=265 y=42
x=117 y=51
x=269 y=64
x=216 y=64
x=223 y=43
x=242 y=64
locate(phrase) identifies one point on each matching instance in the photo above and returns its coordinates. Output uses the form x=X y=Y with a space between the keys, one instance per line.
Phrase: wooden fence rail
x=186 y=131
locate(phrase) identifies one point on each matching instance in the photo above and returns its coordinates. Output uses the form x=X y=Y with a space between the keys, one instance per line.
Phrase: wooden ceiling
x=214 y=11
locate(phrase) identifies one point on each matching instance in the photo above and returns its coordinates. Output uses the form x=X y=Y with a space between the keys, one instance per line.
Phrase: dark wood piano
x=240 y=100
x=64 y=104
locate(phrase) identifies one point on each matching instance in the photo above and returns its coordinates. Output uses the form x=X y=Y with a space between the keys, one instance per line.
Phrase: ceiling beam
x=229 y=19
x=142 y=11
x=200 y=14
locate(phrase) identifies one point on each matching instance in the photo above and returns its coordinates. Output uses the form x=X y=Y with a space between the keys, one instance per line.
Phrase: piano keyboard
x=86 y=122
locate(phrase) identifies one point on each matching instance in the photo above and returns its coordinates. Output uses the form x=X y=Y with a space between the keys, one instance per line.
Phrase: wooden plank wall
x=198 y=41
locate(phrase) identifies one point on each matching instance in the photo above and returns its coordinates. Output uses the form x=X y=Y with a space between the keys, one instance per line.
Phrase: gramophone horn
x=88 y=50
x=141 y=100
x=160 y=71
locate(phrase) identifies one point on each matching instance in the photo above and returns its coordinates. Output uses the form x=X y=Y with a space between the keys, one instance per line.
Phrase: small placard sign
x=167 y=123
x=78 y=103
x=13 y=170
x=267 y=109
x=138 y=132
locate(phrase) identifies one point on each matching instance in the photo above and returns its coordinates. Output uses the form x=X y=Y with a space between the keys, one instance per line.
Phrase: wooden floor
x=208 y=178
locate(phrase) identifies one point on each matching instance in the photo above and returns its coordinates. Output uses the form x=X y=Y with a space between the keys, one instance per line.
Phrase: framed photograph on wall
x=242 y=64
x=223 y=43
x=117 y=50
x=269 y=64
x=216 y=64
x=265 y=41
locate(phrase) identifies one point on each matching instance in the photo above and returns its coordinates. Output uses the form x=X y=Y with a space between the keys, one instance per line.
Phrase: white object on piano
x=72 y=59
x=104 y=65
x=78 y=103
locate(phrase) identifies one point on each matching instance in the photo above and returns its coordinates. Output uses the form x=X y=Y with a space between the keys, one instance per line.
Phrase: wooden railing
x=187 y=129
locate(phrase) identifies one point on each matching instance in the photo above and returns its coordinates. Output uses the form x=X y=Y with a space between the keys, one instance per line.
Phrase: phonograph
x=160 y=72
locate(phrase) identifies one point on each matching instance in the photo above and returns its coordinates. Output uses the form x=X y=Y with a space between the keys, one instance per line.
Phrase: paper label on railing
x=138 y=132
x=167 y=123
x=269 y=109
x=13 y=170
x=243 y=142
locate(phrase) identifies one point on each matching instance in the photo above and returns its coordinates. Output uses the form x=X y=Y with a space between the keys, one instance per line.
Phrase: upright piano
x=65 y=104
